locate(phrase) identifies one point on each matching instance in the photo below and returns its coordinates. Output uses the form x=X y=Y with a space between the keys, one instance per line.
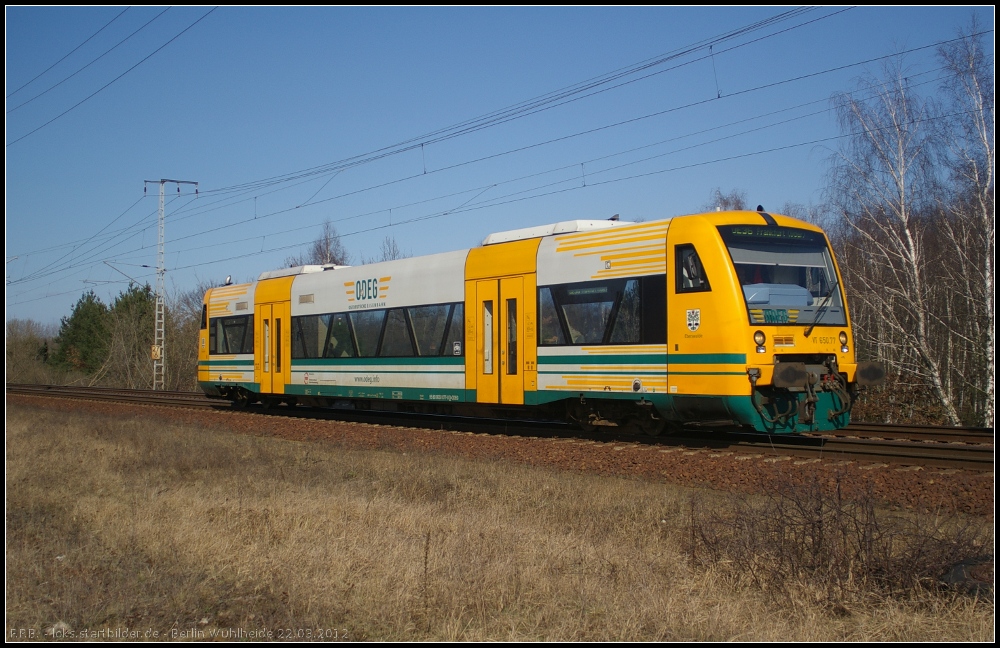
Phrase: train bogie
x=731 y=316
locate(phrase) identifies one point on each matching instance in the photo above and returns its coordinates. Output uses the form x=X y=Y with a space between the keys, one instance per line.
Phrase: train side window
x=551 y=330
x=308 y=335
x=654 y=309
x=227 y=335
x=396 y=339
x=612 y=311
x=628 y=322
x=456 y=332
x=213 y=336
x=689 y=271
x=339 y=344
x=204 y=316
x=429 y=323
x=248 y=335
x=367 y=327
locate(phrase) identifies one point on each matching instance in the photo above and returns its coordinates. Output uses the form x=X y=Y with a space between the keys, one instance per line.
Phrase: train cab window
x=204 y=316
x=689 y=272
x=787 y=275
x=230 y=335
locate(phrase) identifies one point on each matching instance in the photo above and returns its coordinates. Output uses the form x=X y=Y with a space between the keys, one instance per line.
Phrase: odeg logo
x=366 y=289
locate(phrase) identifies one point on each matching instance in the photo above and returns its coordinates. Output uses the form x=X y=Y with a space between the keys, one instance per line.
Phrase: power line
x=113 y=80
x=67 y=55
x=518 y=110
x=493 y=201
x=56 y=85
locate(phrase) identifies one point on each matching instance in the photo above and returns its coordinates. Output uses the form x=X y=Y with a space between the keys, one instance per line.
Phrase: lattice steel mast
x=159 y=334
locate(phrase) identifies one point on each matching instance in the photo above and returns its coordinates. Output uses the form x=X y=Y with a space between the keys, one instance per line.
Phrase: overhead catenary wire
x=537 y=188
x=309 y=202
x=81 y=69
x=109 y=83
x=43 y=72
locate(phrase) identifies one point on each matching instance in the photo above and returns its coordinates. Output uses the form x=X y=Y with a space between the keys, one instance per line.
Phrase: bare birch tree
x=971 y=225
x=883 y=184
x=914 y=186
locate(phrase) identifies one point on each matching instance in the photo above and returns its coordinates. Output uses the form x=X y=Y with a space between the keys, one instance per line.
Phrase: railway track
x=941 y=447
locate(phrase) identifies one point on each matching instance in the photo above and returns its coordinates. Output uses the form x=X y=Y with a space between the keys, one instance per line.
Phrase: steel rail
x=854 y=444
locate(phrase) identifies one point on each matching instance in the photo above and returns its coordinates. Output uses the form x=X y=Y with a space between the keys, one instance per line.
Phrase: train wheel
x=242 y=401
x=653 y=427
x=646 y=426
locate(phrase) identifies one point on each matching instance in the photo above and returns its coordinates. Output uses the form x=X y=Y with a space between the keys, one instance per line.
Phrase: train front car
x=757 y=309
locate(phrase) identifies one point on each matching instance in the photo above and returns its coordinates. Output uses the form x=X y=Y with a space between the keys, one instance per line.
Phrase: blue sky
x=288 y=117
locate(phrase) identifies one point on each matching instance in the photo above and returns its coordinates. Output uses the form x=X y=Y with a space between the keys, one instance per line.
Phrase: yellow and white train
x=728 y=316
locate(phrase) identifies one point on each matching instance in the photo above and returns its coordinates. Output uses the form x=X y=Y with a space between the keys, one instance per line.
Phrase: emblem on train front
x=694 y=319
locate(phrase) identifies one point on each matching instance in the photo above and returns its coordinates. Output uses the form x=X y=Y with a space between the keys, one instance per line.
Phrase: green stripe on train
x=645 y=358
x=385 y=393
x=367 y=362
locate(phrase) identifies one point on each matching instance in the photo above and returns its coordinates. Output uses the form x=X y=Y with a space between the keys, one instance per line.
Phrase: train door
x=487 y=309
x=274 y=341
x=511 y=334
x=500 y=323
x=500 y=306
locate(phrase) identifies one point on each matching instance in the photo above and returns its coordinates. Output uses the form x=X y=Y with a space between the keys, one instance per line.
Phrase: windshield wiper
x=822 y=305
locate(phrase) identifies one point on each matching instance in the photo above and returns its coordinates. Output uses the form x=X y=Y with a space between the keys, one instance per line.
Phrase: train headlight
x=759 y=338
x=843 y=341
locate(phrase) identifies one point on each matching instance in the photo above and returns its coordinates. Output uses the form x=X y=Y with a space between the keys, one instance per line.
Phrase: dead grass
x=131 y=526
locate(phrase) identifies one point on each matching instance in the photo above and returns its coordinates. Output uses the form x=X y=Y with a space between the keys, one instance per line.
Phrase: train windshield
x=787 y=275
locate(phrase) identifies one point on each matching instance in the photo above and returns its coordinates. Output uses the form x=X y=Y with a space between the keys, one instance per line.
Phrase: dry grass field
x=139 y=529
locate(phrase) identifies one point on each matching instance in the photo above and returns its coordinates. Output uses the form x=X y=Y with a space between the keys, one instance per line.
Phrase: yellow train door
x=487 y=341
x=273 y=336
x=500 y=324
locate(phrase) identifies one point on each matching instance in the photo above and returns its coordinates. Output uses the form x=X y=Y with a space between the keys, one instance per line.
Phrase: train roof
x=298 y=270
x=565 y=227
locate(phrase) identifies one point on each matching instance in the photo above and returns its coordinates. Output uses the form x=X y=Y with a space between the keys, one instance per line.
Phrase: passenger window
x=611 y=311
x=551 y=329
x=689 y=271
x=229 y=335
x=628 y=324
x=308 y=334
x=429 y=323
x=367 y=328
x=339 y=344
x=396 y=339
x=456 y=332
